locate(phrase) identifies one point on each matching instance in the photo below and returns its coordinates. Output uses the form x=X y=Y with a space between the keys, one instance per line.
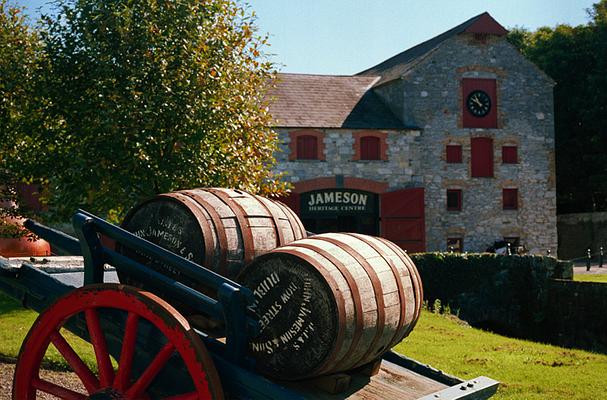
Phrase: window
x=481 y=157
x=509 y=155
x=369 y=148
x=454 y=199
x=455 y=245
x=306 y=144
x=479 y=103
x=370 y=145
x=454 y=153
x=307 y=147
x=515 y=245
x=510 y=199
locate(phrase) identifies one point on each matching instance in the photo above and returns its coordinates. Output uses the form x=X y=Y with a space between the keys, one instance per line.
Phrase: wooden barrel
x=330 y=303
x=221 y=229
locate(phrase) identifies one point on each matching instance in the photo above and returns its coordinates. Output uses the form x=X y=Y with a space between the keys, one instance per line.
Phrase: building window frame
x=509 y=154
x=453 y=154
x=510 y=199
x=307 y=147
x=357 y=145
x=294 y=139
x=454 y=200
x=370 y=148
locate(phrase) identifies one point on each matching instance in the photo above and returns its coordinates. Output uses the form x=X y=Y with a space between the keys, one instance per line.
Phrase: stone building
x=447 y=144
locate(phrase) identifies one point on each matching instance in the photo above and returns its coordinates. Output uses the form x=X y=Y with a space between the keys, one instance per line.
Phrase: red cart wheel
x=138 y=310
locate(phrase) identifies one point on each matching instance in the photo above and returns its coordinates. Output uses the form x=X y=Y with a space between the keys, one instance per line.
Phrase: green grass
x=590 y=278
x=526 y=370
x=15 y=322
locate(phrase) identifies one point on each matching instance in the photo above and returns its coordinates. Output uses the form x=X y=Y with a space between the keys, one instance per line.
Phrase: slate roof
x=330 y=101
x=395 y=67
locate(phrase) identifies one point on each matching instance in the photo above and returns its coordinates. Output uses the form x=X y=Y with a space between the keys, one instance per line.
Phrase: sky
x=343 y=37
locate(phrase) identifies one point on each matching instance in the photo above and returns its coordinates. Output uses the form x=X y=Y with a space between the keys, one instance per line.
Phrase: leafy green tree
x=575 y=58
x=151 y=96
x=21 y=59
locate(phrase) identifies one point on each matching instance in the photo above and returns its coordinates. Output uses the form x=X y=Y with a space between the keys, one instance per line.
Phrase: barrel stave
x=375 y=295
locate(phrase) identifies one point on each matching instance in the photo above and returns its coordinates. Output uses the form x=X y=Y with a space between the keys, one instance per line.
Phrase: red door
x=402 y=218
x=292 y=200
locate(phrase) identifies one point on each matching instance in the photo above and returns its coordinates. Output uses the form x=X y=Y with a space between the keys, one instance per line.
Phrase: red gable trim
x=486 y=24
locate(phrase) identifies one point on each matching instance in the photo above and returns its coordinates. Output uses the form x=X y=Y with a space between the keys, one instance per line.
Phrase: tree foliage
x=144 y=97
x=20 y=61
x=575 y=57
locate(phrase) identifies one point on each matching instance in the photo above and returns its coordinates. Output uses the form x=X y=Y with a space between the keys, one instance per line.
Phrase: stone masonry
x=401 y=170
x=525 y=119
x=425 y=95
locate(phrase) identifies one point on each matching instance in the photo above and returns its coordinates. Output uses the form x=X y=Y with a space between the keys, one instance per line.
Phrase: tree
x=151 y=97
x=21 y=59
x=575 y=58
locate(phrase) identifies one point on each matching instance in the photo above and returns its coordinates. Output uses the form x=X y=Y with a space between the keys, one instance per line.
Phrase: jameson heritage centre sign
x=338 y=201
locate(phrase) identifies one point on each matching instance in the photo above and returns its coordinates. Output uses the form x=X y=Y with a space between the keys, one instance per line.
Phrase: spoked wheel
x=151 y=343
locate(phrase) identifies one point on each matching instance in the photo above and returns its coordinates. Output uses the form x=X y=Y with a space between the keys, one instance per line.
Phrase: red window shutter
x=454 y=153
x=510 y=199
x=454 y=200
x=369 y=148
x=509 y=155
x=481 y=157
x=307 y=147
x=488 y=86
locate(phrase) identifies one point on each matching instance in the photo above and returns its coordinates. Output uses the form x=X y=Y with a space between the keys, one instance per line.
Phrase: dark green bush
x=503 y=292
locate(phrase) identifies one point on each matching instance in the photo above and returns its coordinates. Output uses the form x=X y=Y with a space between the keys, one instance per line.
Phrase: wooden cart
x=145 y=349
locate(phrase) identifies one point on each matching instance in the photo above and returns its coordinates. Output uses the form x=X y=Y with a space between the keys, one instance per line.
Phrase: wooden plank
x=392 y=382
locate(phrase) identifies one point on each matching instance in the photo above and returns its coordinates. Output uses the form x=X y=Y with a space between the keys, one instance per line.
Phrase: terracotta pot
x=21 y=247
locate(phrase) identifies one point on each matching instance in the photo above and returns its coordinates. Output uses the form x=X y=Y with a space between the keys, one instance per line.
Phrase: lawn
x=525 y=369
x=15 y=322
x=590 y=278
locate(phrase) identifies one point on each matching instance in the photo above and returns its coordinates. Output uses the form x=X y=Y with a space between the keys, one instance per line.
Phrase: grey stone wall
x=401 y=170
x=433 y=102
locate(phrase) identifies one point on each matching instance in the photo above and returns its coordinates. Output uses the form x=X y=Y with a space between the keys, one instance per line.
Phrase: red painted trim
x=481 y=157
x=489 y=86
x=349 y=183
x=454 y=153
x=383 y=144
x=366 y=184
x=509 y=154
x=486 y=24
x=168 y=321
x=293 y=135
x=402 y=215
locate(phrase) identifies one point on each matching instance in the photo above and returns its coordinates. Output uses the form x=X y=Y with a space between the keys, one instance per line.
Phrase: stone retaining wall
x=533 y=297
x=576 y=314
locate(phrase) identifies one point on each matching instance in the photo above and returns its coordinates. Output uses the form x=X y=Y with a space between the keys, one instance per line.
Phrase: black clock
x=478 y=103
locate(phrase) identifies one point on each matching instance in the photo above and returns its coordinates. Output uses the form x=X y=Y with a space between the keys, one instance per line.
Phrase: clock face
x=478 y=103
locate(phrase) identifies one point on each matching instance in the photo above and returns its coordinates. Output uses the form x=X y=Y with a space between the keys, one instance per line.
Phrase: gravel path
x=64 y=379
